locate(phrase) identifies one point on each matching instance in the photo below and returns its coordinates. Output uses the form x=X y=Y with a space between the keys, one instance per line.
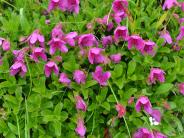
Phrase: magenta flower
x=100 y=76
x=57 y=31
x=116 y=58
x=121 y=33
x=38 y=52
x=136 y=41
x=95 y=56
x=121 y=110
x=72 y=6
x=107 y=40
x=36 y=37
x=51 y=66
x=181 y=88
x=181 y=20
x=156 y=74
x=169 y=4
x=70 y=38
x=57 y=3
x=166 y=36
x=80 y=104
x=18 y=67
x=79 y=76
x=19 y=54
x=119 y=6
x=182 y=6
x=156 y=115
x=181 y=34
x=158 y=135
x=64 y=79
x=143 y=133
x=149 y=48
x=118 y=17
x=81 y=129
x=5 y=44
x=144 y=102
x=87 y=40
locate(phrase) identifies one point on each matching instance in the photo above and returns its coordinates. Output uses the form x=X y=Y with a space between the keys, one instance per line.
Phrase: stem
x=18 y=127
x=30 y=77
x=113 y=92
x=127 y=127
x=26 y=120
x=109 y=15
x=9 y=4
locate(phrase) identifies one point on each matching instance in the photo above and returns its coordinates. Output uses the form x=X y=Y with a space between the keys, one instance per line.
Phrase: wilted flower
x=181 y=88
x=169 y=4
x=81 y=129
x=38 y=52
x=156 y=74
x=18 y=67
x=181 y=34
x=136 y=41
x=95 y=56
x=143 y=133
x=64 y=79
x=116 y=58
x=176 y=47
x=57 y=3
x=79 y=76
x=166 y=36
x=5 y=44
x=158 y=135
x=105 y=22
x=149 y=48
x=49 y=67
x=121 y=110
x=107 y=40
x=80 y=104
x=121 y=33
x=87 y=40
x=100 y=76
x=144 y=102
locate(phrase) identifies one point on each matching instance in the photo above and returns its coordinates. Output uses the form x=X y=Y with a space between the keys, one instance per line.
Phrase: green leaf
x=164 y=88
x=131 y=67
x=106 y=105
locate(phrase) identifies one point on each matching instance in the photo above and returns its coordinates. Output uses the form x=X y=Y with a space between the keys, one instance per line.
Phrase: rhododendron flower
x=100 y=76
x=57 y=3
x=79 y=76
x=119 y=6
x=95 y=56
x=38 y=52
x=181 y=34
x=107 y=40
x=169 y=4
x=121 y=110
x=64 y=79
x=136 y=41
x=81 y=129
x=87 y=40
x=144 y=102
x=18 y=67
x=149 y=48
x=116 y=58
x=72 y=6
x=156 y=74
x=143 y=133
x=51 y=66
x=181 y=88
x=5 y=44
x=70 y=38
x=166 y=36
x=80 y=104
x=158 y=135
x=121 y=33
x=156 y=115
x=36 y=37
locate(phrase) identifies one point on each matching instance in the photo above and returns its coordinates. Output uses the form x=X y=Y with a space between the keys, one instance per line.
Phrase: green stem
x=18 y=126
x=9 y=4
x=30 y=77
x=113 y=92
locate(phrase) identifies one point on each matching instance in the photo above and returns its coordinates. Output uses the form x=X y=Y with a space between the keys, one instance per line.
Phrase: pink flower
x=95 y=56
x=57 y=3
x=105 y=22
x=166 y=36
x=119 y=6
x=118 y=17
x=80 y=104
x=100 y=76
x=143 y=133
x=158 y=135
x=181 y=88
x=169 y=4
x=149 y=48
x=81 y=129
x=57 y=31
x=5 y=44
x=35 y=37
x=136 y=41
x=19 y=54
x=79 y=77
x=70 y=38
x=121 y=110
x=49 y=67
x=131 y=100
x=181 y=34
x=121 y=33
x=144 y=102
x=116 y=58
x=72 y=6
x=18 y=67
x=156 y=115
x=64 y=79
x=181 y=20
x=182 y=6
x=87 y=40
x=156 y=74
x=107 y=40
x=38 y=52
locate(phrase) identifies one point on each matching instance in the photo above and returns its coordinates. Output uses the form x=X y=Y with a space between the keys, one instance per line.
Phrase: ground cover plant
x=91 y=68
